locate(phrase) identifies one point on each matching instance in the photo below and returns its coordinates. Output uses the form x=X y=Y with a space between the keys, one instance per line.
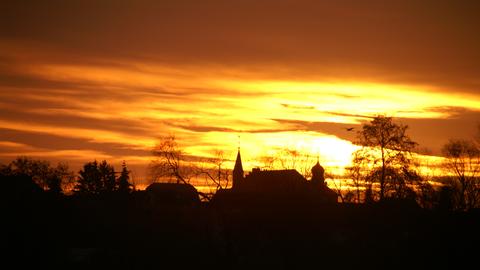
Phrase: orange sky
x=82 y=80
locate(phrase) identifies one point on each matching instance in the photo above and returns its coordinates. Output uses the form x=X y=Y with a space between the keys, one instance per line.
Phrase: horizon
x=279 y=74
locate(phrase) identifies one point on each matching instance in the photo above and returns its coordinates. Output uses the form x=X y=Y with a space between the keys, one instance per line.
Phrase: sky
x=84 y=80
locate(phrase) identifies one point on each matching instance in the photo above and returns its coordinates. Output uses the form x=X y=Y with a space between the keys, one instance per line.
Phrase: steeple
x=237 y=170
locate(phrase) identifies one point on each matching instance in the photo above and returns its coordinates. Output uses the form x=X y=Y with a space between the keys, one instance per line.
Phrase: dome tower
x=318 y=175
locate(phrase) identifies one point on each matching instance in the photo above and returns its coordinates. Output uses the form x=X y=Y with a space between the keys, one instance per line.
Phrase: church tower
x=237 y=171
x=318 y=175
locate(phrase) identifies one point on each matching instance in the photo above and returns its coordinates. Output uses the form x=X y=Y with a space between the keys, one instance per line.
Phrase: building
x=172 y=194
x=282 y=183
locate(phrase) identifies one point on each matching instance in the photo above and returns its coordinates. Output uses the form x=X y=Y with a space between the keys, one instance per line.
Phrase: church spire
x=238 y=163
x=237 y=170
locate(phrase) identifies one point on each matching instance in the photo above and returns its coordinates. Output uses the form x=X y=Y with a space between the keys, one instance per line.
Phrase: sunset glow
x=93 y=95
x=240 y=134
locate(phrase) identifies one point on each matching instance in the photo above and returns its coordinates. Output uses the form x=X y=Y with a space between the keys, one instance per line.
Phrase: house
x=172 y=194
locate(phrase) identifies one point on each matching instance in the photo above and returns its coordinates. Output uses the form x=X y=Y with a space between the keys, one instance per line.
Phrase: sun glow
x=356 y=98
x=131 y=105
x=332 y=152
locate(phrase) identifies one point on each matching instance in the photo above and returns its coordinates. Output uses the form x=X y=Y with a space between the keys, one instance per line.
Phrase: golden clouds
x=116 y=108
x=131 y=104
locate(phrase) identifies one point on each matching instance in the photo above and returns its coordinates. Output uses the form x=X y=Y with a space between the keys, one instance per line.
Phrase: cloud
x=37 y=141
x=364 y=117
x=118 y=125
x=423 y=42
x=434 y=133
x=202 y=129
x=337 y=129
x=430 y=133
x=298 y=107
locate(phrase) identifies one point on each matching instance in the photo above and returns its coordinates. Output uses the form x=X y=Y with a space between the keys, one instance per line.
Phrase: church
x=280 y=184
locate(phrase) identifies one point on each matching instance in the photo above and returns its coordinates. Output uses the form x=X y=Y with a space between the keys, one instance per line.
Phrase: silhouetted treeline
x=93 y=178
x=387 y=167
x=54 y=179
x=167 y=226
x=98 y=178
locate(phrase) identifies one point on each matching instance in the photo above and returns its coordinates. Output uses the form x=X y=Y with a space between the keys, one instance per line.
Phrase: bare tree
x=54 y=179
x=289 y=159
x=426 y=194
x=268 y=162
x=170 y=162
x=62 y=176
x=356 y=172
x=214 y=171
x=463 y=161
x=339 y=188
x=386 y=149
x=39 y=170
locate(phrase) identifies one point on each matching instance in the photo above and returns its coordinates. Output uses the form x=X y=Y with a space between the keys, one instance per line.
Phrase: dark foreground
x=134 y=232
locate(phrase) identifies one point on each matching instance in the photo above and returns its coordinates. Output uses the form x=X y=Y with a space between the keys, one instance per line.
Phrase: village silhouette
x=272 y=219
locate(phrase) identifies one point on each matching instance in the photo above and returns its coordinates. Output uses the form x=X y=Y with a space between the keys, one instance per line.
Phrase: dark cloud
x=291 y=106
x=197 y=128
x=51 y=142
x=351 y=115
x=430 y=133
x=21 y=82
x=119 y=125
x=8 y=78
x=434 y=133
x=37 y=143
x=427 y=42
x=18 y=102
x=339 y=130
